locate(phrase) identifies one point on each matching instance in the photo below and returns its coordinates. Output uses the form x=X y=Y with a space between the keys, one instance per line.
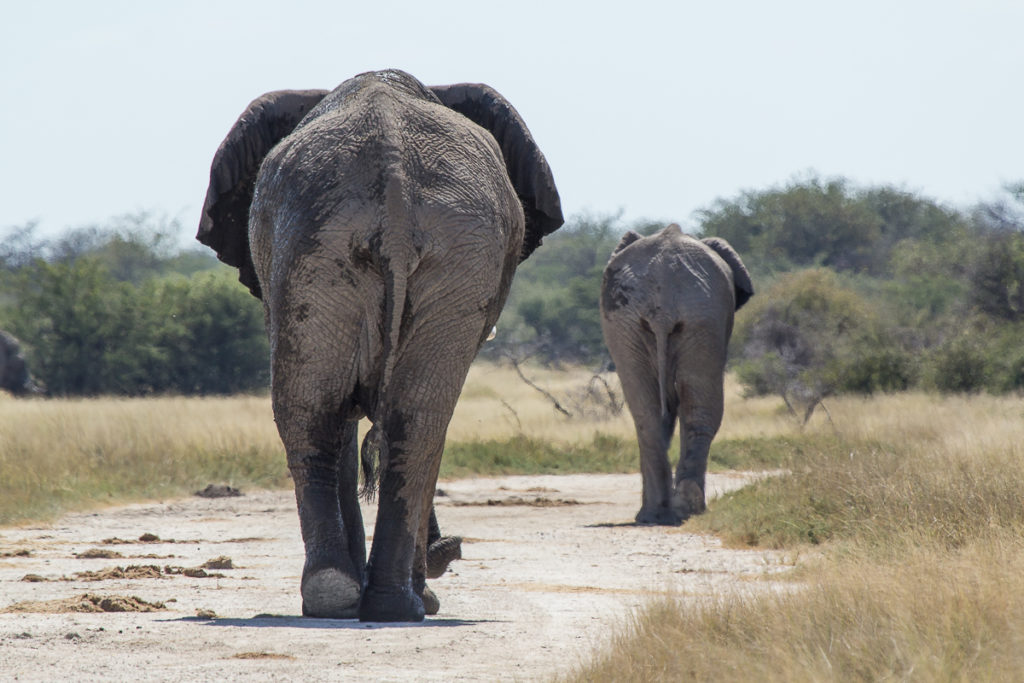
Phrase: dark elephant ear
x=740 y=276
x=527 y=168
x=626 y=240
x=224 y=223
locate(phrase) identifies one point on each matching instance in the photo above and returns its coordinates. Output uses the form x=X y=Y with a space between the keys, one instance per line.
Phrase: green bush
x=87 y=333
x=959 y=366
x=810 y=336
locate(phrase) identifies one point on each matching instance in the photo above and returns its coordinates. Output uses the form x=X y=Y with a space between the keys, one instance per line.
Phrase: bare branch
x=515 y=415
x=550 y=397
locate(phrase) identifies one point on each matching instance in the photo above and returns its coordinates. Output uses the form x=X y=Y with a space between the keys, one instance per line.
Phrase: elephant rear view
x=381 y=224
x=667 y=305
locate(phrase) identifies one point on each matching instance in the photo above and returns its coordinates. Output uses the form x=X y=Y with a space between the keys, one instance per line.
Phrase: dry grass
x=928 y=617
x=916 y=503
x=58 y=455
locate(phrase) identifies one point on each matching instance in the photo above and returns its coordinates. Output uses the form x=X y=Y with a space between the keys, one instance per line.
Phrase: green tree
x=213 y=335
x=552 y=312
x=69 y=315
x=109 y=311
x=827 y=223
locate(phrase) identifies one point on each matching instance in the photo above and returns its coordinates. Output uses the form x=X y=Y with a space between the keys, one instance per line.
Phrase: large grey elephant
x=14 y=375
x=667 y=305
x=381 y=224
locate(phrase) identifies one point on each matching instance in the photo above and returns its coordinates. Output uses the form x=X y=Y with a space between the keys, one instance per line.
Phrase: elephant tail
x=661 y=350
x=372 y=456
x=396 y=222
x=399 y=263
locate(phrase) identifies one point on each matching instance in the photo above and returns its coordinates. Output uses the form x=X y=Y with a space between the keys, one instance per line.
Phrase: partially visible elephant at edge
x=14 y=374
x=667 y=305
x=381 y=224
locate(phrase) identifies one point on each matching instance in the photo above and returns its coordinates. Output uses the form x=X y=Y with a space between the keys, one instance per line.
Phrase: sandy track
x=543 y=581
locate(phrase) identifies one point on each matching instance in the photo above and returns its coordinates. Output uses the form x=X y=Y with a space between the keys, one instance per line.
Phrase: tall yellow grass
x=927 y=617
x=63 y=454
x=923 y=581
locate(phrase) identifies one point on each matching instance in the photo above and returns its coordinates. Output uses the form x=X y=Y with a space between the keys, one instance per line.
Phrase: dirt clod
x=192 y=572
x=99 y=553
x=85 y=603
x=219 y=491
x=222 y=562
x=147 y=571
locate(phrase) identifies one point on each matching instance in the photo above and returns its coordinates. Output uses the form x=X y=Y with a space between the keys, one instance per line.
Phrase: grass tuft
x=526 y=455
x=928 y=617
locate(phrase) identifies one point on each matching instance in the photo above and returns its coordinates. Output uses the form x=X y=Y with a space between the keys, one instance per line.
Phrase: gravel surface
x=551 y=566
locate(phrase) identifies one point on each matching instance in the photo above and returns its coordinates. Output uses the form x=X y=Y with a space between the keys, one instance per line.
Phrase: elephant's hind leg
x=396 y=568
x=421 y=397
x=700 y=416
x=654 y=436
x=320 y=443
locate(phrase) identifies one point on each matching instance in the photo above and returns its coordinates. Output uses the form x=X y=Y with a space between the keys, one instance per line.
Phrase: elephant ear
x=527 y=168
x=224 y=223
x=740 y=276
x=626 y=240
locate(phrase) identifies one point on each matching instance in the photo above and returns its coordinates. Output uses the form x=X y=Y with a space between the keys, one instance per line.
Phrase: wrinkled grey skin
x=381 y=224
x=14 y=375
x=667 y=305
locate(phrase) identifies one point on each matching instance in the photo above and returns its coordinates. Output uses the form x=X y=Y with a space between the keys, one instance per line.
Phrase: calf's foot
x=688 y=499
x=663 y=516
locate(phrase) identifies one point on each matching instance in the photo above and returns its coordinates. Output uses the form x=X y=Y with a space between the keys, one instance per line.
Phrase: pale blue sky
x=652 y=108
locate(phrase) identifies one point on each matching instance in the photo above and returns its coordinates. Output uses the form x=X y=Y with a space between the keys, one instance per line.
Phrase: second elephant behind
x=667 y=305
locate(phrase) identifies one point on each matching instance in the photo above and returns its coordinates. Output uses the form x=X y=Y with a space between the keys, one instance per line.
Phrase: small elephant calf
x=667 y=305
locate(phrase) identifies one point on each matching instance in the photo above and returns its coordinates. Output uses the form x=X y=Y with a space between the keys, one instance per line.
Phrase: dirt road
x=551 y=565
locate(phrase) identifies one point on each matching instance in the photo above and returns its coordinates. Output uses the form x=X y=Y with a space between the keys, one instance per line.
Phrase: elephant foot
x=391 y=605
x=329 y=593
x=431 y=605
x=661 y=516
x=688 y=499
x=441 y=553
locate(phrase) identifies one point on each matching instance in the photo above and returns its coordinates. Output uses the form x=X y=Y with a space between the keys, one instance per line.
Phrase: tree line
x=119 y=309
x=859 y=289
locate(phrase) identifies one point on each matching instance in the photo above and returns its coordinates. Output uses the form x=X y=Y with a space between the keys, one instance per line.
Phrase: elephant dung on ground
x=667 y=305
x=14 y=374
x=381 y=224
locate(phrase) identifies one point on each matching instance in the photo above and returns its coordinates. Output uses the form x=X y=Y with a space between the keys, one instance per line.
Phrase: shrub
x=809 y=336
